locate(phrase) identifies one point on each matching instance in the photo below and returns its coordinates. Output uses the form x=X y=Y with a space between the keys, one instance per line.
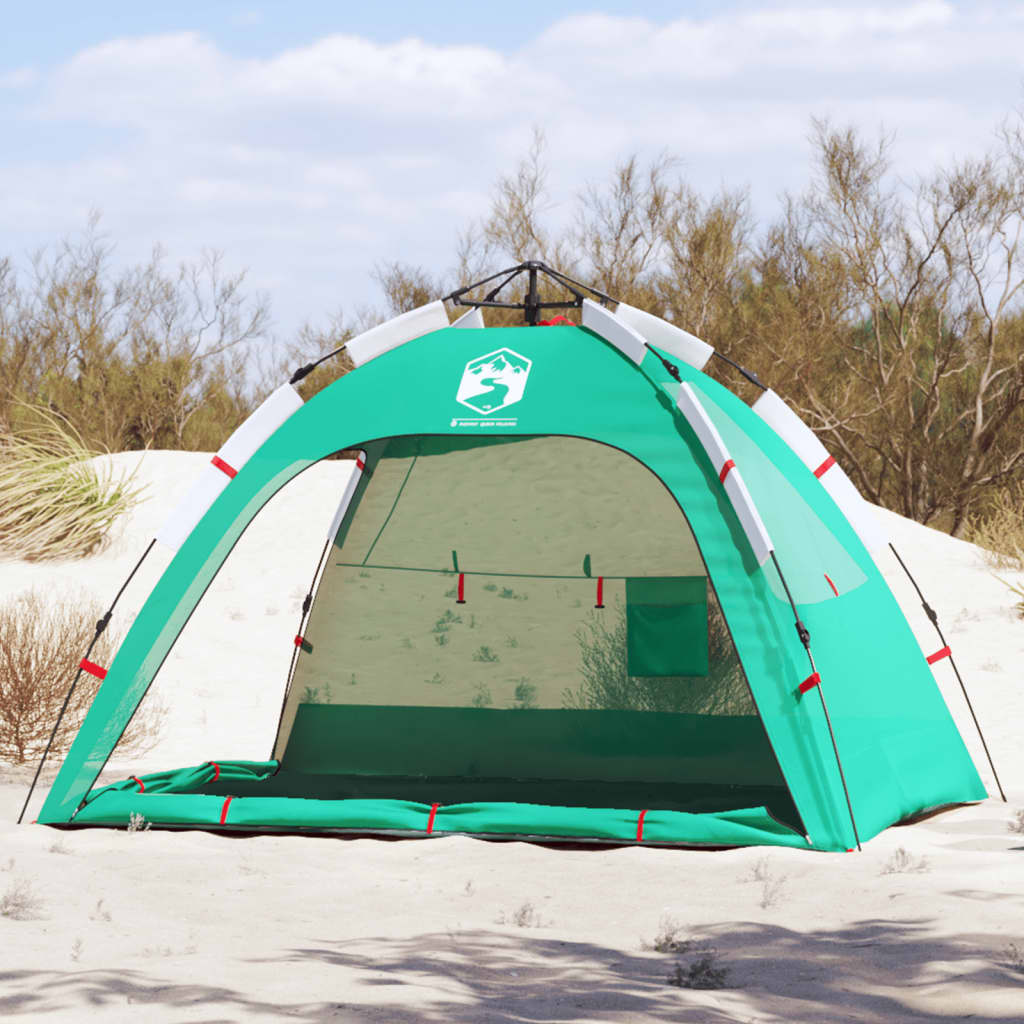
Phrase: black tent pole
x=532 y=301
x=100 y=627
x=805 y=639
x=307 y=603
x=934 y=618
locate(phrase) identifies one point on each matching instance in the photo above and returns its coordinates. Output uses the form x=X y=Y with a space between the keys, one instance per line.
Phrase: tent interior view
x=587 y=663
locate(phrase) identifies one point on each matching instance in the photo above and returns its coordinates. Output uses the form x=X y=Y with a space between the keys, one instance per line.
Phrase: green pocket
x=667 y=626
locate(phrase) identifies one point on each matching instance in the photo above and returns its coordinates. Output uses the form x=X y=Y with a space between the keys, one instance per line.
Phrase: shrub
x=41 y=644
x=702 y=972
x=669 y=937
x=1000 y=531
x=525 y=694
x=1019 y=591
x=524 y=916
x=607 y=684
x=20 y=902
x=57 y=500
x=902 y=863
x=1013 y=956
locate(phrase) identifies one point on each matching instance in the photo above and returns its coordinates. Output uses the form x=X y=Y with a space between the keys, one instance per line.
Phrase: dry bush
x=902 y=862
x=57 y=500
x=1000 y=530
x=703 y=972
x=41 y=644
x=669 y=938
x=606 y=682
x=140 y=356
x=889 y=314
x=20 y=902
x=524 y=916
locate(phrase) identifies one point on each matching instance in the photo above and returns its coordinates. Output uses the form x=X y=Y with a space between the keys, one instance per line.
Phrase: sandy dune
x=196 y=927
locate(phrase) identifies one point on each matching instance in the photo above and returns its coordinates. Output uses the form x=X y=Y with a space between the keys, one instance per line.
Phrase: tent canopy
x=545 y=613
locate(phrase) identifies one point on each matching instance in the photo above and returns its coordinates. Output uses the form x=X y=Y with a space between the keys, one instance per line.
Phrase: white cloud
x=315 y=163
x=18 y=78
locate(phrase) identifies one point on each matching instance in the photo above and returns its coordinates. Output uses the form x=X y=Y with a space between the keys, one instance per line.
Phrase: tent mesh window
x=587 y=664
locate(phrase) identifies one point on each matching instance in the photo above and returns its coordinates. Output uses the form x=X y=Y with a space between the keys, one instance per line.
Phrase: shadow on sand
x=867 y=971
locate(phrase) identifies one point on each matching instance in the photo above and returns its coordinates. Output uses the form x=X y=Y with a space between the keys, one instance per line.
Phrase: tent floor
x=260 y=796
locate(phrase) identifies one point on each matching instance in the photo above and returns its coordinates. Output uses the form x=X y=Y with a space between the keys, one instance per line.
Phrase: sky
x=312 y=141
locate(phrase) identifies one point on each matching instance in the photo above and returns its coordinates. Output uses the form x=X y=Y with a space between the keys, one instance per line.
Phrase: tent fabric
x=667 y=626
x=171 y=798
x=900 y=749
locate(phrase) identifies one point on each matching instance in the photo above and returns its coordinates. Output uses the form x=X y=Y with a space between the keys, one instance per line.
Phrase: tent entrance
x=587 y=663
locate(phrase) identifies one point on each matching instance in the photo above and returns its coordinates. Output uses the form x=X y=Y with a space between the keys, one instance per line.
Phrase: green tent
x=575 y=589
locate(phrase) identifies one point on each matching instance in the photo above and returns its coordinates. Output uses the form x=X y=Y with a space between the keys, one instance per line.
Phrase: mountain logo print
x=494 y=381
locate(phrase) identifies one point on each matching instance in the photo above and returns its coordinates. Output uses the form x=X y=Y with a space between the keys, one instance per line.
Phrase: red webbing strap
x=810 y=682
x=299 y=640
x=224 y=809
x=726 y=466
x=216 y=771
x=555 y=320
x=142 y=785
x=831 y=584
x=223 y=466
x=360 y=462
x=640 y=826
x=430 y=820
x=462 y=589
x=93 y=669
x=939 y=655
x=825 y=466
x=600 y=592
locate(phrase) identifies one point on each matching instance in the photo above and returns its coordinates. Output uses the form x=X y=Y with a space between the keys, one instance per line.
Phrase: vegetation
x=889 y=313
x=703 y=972
x=56 y=499
x=20 y=901
x=902 y=862
x=670 y=937
x=41 y=643
x=998 y=527
x=607 y=683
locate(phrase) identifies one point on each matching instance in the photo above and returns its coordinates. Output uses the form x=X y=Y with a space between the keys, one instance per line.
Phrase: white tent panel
x=684 y=346
x=389 y=335
x=474 y=318
x=234 y=454
x=815 y=456
x=735 y=488
x=599 y=320
x=346 y=495
x=750 y=519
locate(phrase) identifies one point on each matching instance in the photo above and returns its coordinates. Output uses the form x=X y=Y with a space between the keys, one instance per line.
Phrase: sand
x=196 y=927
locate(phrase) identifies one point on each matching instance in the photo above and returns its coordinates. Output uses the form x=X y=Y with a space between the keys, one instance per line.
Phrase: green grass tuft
x=57 y=500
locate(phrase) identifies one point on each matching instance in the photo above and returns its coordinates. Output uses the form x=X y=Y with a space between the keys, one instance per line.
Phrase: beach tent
x=575 y=589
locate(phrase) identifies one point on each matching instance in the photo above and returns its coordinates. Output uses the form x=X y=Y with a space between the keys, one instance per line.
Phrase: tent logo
x=493 y=381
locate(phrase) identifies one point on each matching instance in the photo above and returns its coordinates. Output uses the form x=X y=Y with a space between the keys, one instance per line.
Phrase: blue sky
x=45 y=35
x=310 y=141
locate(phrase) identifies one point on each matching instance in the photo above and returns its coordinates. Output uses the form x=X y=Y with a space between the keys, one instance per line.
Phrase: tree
x=893 y=313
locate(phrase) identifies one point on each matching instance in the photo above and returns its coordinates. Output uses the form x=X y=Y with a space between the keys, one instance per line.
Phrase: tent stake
x=805 y=639
x=933 y=616
x=100 y=626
